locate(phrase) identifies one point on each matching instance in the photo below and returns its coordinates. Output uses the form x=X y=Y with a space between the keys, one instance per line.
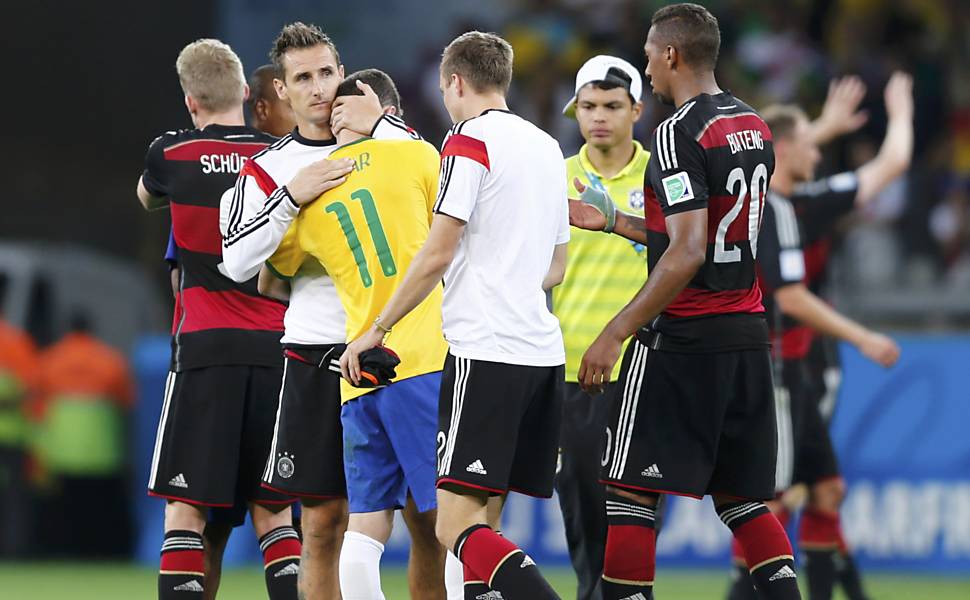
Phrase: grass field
x=40 y=581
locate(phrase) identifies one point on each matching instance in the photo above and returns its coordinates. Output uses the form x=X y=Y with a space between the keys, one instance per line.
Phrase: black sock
x=502 y=565
x=281 y=558
x=742 y=586
x=849 y=577
x=181 y=574
x=820 y=572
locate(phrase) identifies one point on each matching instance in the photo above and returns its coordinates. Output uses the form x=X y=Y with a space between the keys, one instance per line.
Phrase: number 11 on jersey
x=373 y=219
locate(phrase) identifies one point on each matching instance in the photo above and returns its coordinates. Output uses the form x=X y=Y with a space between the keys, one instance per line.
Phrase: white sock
x=454 y=577
x=360 y=567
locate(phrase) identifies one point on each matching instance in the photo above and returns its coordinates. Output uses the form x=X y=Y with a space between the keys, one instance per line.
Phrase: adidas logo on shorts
x=290 y=569
x=637 y=596
x=179 y=481
x=189 y=586
x=652 y=471
x=477 y=467
x=785 y=572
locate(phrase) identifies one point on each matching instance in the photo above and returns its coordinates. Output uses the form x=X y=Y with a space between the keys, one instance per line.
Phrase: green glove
x=601 y=201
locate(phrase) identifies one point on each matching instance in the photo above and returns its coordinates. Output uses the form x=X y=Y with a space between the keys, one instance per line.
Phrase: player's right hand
x=597 y=364
x=594 y=210
x=880 y=349
x=318 y=177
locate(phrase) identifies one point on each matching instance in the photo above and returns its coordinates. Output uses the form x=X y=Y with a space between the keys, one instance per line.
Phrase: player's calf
x=324 y=523
x=426 y=563
x=281 y=548
x=766 y=548
x=360 y=556
x=631 y=541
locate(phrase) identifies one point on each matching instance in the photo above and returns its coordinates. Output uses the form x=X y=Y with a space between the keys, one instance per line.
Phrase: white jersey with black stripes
x=255 y=215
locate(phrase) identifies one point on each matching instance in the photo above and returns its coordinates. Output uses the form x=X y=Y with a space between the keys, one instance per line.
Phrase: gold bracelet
x=379 y=325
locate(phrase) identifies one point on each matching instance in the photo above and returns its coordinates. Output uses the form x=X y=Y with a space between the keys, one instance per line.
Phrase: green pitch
x=78 y=581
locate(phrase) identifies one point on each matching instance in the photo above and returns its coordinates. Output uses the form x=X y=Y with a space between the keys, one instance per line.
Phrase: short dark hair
x=484 y=60
x=295 y=36
x=380 y=82
x=782 y=119
x=692 y=30
x=261 y=84
x=610 y=85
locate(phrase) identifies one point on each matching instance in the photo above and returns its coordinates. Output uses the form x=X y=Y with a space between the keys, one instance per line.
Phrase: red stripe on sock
x=819 y=528
x=737 y=552
x=761 y=539
x=285 y=548
x=183 y=561
x=631 y=553
x=483 y=552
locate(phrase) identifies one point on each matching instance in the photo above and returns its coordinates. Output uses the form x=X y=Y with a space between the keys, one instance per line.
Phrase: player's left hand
x=356 y=113
x=597 y=364
x=350 y=359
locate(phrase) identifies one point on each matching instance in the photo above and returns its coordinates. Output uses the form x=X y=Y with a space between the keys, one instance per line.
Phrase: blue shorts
x=389 y=445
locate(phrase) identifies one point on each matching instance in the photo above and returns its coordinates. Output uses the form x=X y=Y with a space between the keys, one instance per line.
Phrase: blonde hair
x=482 y=59
x=212 y=74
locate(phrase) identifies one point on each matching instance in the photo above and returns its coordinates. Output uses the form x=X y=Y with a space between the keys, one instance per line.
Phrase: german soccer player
x=797 y=314
x=257 y=214
x=225 y=362
x=603 y=273
x=705 y=422
x=269 y=112
x=498 y=239
x=365 y=235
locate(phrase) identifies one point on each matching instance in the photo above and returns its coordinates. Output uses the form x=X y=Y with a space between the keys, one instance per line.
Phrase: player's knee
x=266 y=518
x=447 y=533
x=324 y=524
x=185 y=517
x=645 y=499
x=828 y=494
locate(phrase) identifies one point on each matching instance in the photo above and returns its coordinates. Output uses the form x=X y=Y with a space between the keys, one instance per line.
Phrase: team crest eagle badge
x=285 y=466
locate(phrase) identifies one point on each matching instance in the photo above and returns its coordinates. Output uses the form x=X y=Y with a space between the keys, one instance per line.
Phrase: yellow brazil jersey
x=365 y=233
x=603 y=272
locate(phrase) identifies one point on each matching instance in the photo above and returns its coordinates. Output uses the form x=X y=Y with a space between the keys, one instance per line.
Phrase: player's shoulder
x=171 y=137
x=276 y=147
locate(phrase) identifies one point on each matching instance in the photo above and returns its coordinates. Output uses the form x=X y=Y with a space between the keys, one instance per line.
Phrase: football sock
x=818 y=539
x=360 y=567
x=474 y=587
x=502 y=565
x=631 y=544
x=766 y=548
x=742 y=585
x=181 y=574
x=454 y=577
x=849 y=578
x=281 y=559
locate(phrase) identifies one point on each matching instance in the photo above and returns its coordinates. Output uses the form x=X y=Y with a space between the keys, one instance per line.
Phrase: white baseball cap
x=609 y=69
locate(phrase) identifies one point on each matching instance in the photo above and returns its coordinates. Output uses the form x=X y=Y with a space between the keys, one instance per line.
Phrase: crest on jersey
x=285 y=466
x=677 y=188
x=636 y=199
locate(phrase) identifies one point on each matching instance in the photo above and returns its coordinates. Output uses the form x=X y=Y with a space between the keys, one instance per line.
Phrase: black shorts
x=214 y=435
x=306 y=457
x=693 y=424
x=498 y=426
x=812 y=454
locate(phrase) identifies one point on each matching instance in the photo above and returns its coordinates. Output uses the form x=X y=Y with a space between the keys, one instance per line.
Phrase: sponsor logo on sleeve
x=677 y=188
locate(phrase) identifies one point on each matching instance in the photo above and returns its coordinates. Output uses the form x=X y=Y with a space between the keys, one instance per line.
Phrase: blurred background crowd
x=81 y=274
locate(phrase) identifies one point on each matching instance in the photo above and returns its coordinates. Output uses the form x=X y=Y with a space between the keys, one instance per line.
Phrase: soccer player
x=789 y=302
x=603 y=273
x=498 y=238
x=797 y=314
x=308 y=461
x=365 y=235
x=269 y=112
x=217 y=417
x=696 y=411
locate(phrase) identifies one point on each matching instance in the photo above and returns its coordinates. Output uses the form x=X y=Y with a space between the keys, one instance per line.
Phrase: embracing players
x=695 y=414
x=498 y=239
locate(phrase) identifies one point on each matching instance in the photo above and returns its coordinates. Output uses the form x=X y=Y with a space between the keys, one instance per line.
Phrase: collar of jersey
x=501 y=110
x=357 y=141
x=638 y=155
x=308 y=142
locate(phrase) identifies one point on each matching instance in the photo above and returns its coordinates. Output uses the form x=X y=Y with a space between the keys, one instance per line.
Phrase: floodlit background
x=89 y=85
